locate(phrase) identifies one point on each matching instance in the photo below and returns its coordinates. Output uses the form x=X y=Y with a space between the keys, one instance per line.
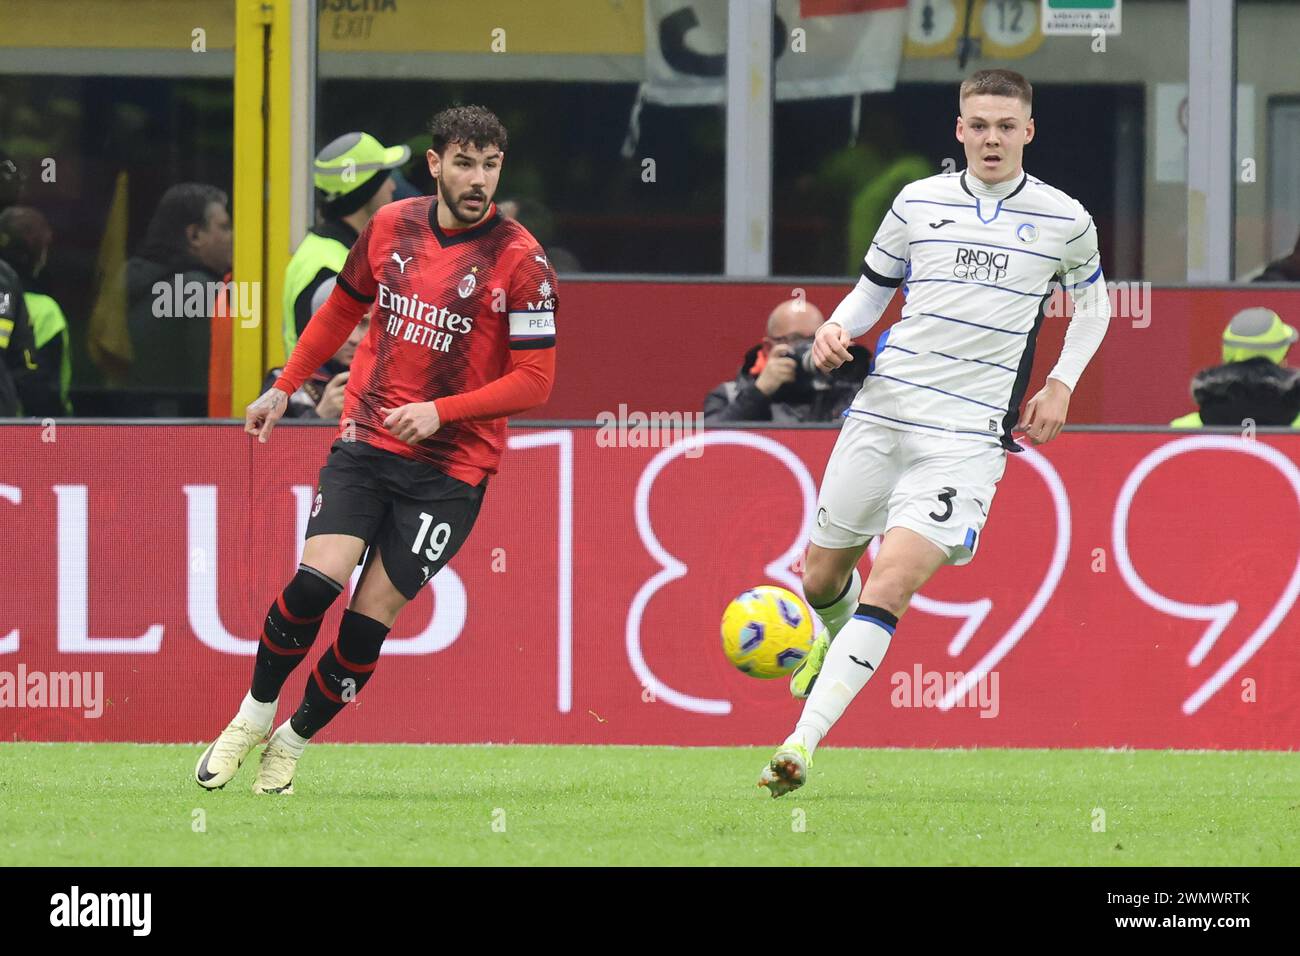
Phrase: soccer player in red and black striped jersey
x=462 y=335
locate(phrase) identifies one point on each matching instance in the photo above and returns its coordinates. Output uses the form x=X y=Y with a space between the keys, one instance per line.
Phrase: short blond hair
x=997 y=83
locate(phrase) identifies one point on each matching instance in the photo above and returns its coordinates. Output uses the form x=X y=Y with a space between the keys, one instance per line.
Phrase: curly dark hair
x=477 y=126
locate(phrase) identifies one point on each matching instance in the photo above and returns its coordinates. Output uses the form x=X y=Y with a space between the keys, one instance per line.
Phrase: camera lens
x=803 y=357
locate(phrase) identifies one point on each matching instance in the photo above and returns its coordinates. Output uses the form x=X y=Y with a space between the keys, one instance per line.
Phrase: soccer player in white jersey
x=925 y=442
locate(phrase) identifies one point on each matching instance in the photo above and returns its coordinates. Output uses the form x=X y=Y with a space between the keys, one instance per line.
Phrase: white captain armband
x=532 y=330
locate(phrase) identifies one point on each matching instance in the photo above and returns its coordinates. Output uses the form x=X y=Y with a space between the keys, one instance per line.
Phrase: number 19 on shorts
x=437 y=540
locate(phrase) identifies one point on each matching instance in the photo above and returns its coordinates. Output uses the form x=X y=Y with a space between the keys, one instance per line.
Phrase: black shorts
x=417 y=516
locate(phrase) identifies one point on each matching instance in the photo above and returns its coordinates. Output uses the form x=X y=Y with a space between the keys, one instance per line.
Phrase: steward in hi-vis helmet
x=1251 y=383
x=352 y=183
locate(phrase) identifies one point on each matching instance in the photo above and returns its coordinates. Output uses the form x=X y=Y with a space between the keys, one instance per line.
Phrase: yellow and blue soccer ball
x=766 y=632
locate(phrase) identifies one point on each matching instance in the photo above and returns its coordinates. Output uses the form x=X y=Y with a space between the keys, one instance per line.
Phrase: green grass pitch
x=131 y=804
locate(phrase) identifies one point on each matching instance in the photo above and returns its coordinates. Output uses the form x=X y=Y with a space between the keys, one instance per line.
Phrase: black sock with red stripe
x=290 y=629
x=341 y=672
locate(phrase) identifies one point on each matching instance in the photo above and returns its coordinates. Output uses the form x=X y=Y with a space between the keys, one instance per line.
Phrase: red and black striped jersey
x=449 y=306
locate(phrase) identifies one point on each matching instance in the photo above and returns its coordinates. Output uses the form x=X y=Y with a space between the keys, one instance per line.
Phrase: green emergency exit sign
x=1066 y=17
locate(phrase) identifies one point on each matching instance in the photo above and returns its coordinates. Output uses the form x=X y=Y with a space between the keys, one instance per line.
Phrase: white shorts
x=880 y=478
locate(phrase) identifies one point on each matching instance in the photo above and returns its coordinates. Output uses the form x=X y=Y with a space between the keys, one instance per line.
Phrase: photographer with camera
x=778 y=381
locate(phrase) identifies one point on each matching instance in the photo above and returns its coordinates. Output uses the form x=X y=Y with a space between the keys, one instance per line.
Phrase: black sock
x=290 y=628
x=341 y=672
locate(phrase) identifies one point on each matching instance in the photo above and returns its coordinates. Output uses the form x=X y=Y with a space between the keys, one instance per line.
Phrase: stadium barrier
x=1131 y=589
x=658 y=345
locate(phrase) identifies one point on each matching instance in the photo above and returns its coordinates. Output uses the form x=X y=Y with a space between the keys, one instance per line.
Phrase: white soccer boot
x=275 y=773
x=224 y=756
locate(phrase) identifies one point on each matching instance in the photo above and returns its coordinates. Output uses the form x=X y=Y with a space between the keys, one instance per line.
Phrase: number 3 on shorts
x=946 y=497
x=437 y=540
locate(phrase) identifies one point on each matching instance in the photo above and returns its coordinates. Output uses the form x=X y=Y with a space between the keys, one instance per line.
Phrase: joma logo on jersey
x=982 y=265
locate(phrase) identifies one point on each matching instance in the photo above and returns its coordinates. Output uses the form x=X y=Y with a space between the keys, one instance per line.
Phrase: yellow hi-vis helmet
x=1257 y=332
x=351 y=161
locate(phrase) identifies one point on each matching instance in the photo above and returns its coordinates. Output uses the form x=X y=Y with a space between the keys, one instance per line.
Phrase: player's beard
x=454 y=207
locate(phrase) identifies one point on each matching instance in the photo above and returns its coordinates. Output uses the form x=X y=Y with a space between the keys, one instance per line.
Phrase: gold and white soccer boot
x=224 y=756
x=275 y=772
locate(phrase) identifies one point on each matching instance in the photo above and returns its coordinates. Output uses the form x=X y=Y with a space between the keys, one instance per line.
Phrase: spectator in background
x=539 y=220
x=321 y=396
x=1251 y=383
x=403 y=188
x=777 y=381
x=15 y=343
x=11 y=181
x=170 y=286
x=353 y=177
x=1286 y=269
x=25 y=239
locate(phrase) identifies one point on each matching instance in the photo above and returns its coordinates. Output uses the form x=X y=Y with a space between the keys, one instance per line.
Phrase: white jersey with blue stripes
x=976 y=274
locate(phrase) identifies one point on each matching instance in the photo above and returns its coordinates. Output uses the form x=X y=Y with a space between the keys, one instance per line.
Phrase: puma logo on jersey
x=941 y=223
x=542 y=260
x=401 y=263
